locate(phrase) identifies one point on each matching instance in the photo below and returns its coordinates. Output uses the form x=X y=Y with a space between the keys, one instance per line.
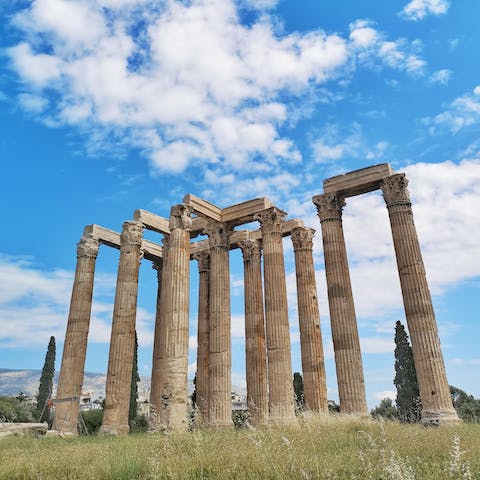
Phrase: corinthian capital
x=180 y=217
x=88 y=246
x=132 y=233
x=218 y=234
x=302 y=238
x=251 y=250
x=329 y=206
x=271 y=220
x=203 y=259
x=395 y=189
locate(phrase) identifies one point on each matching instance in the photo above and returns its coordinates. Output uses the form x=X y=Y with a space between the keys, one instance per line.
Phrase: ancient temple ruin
x=270 y=395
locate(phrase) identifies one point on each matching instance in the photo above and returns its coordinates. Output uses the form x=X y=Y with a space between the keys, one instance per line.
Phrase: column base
x=111 y=430
x=281 y=415
x=435 y=418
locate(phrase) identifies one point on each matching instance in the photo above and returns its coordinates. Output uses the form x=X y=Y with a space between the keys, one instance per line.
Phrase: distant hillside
x=12 y=382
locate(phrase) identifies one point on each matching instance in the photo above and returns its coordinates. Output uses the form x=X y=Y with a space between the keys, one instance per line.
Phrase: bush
x=93 y=420
x=15 y=410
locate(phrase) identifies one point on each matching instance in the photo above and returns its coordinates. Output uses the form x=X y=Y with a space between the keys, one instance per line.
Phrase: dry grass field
x=335 y=447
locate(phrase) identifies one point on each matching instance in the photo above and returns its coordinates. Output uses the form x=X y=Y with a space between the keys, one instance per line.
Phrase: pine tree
x=298 y=389
x=408 y=395
x=46 y=383
x=132 y=410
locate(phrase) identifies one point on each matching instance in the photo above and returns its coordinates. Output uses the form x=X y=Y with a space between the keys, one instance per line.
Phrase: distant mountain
x=12 y=382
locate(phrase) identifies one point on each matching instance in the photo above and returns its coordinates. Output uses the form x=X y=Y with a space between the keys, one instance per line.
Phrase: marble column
x=220 y=354
x=173 y=334
x=255 y=350
x=154 y=383
x=122 y=343
x=432 y=379
x=203 y=332
x=313 y=364
x=346 y=343
x=280 y=380
x=75 y=348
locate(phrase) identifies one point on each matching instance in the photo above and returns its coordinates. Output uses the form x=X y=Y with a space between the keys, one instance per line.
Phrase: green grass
x=324 y=448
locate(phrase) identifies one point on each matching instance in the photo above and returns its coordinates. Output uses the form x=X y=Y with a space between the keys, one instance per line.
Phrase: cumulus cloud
x=463 y=112
x=187 y=83
x=419 y=9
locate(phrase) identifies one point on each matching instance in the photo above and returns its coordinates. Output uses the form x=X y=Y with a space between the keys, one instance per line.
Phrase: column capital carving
x=271 y=220
x=88 y=246
x=132 y=233
x=329 y=206
x=218 y=234
x=302 y=238
x=251 y=250
x=203 y=259
x=158 y=266
x=395 y=189
x=180 y=217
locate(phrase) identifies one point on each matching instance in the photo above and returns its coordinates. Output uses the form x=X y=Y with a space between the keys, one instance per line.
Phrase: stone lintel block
x=151 y=251
x=359 y=181
x=203 y=208
x=159 y=224
x=244 y=212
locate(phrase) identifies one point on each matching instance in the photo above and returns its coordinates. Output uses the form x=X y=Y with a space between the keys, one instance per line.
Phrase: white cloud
x=419 y=9
x=441 y=77
x=32 y=103
x=335 y=144
x=464 y=111
x=372 y=48
x=392 y=394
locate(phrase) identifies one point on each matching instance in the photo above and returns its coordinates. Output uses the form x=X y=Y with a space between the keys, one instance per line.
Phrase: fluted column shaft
x=313 y=364
x=346 y=343
x=155 y=377
x=203 y=332
x=255 y=351
x=220 y=354
x=75 y=348
x=280 y=382
x=427 y=354
x=122 y=343
x=173 y=334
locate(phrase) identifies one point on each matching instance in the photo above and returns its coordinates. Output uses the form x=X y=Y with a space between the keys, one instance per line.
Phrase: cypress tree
x=132 y=410
x=298 y=389
x=408 y=395
x=46 y=383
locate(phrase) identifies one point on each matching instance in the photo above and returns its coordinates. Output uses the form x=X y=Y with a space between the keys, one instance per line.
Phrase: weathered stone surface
x=359 y=181
x=255 y=349
x=74 y=351
x=280 y=387
x=245 y=212
x=346 y=343
x=203 y=208
x=220 y=355
x=122 y=343
x=23 y=429
x=313 y=363
x=203 y=332
x=432 y=379
x=173 y=334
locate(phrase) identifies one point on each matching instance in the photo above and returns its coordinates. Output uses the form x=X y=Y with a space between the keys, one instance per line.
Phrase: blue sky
x=107 y=106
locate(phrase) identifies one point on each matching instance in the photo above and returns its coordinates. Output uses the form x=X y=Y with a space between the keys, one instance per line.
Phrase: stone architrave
x=313 y=364
x=203 y=332
x=255 y=350
x=279 y=362
x=220 y=355
x=346 y=343
x=122 y=343
x=74 y=351
x=432 y=379
x=154 y=385
x=173 y=334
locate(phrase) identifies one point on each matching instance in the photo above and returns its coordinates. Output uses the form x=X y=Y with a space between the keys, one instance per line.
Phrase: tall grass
x=332 y=447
